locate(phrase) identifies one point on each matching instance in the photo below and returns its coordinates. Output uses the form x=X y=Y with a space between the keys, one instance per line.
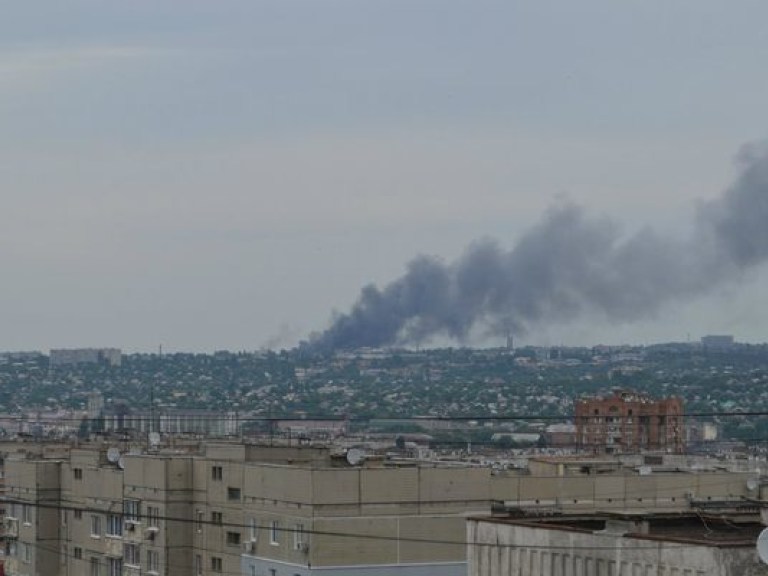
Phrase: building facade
x=618 y=545
x=68 y=356
x=235 y=509
x=627 y=422
x=212 y=509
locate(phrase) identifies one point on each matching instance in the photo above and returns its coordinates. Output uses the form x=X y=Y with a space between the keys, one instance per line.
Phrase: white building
x=617 y=544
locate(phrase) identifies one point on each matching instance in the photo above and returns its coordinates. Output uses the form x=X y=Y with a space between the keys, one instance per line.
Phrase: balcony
x=11 y=527
x=114 y=547
x=132 y=531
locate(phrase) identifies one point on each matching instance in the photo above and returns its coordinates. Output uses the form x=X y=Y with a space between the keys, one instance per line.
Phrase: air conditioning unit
x=249 y=546
x=129 y=526
x=303 y=547
x=151 y=532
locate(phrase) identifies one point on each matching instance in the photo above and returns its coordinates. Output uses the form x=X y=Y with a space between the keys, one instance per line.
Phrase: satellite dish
x=355 y=456
x=121 y=463
x=113 y=455
x=154 y=439
x=762 y=546
x=752 y=484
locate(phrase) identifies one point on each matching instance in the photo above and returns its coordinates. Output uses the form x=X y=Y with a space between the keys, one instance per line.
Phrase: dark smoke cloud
x=566 y=265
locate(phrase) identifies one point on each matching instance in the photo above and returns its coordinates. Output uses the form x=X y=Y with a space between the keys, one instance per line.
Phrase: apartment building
x=31 y=523
x=229 y=508
x=235 y=509
x=628 y=422
x=68 y=356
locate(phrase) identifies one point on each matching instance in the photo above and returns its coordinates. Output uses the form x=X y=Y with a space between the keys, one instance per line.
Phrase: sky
x=228 y=175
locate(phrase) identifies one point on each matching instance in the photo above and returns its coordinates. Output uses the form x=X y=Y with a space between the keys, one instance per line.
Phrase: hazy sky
x=224 y=174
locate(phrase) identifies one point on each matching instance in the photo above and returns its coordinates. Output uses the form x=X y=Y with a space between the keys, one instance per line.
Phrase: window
x=153 y=561
x=95 y=526
x=233 y=494
x=95 y=566
x=233 y=538
x=115 y=566
x=12 y=510
x=77 y=553
x=131 y=510
x=274 y=530
x=200 y=520
x=198 y=565
x=114 y=525
x=217 y=518
x=217 y=472
x=216 y=564
x=78 y=474
x=26 y=553
x=26 y=513
x=78 y=514
x=299 y=537
x=253 y=530
x=153 y=516
x=131 y=554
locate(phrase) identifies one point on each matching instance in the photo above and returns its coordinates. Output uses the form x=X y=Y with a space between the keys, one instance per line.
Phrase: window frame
x=132 y=510
x=132 y=554
x=253 y=529
x=153 y=562
x=114 y=525
x=274 y=532
x=153 y=516
x=299 y=536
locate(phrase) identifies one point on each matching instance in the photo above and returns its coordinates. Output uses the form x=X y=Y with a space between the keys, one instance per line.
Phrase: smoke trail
x=564 y=266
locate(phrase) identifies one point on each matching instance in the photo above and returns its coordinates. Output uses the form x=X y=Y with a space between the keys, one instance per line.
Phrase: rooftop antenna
x=113 y=455
x=355 y=456
x=762 y=546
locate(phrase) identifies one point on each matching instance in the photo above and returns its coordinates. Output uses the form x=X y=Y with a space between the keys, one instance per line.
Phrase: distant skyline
x=224 y=175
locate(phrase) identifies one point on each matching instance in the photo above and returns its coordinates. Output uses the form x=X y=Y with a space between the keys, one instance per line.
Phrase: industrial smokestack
x=567 y=264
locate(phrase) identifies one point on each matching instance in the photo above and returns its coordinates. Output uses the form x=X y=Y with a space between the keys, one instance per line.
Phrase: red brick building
x=627 y=422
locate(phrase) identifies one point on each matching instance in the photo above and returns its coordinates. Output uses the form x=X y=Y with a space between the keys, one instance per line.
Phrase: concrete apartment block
x=230 y=508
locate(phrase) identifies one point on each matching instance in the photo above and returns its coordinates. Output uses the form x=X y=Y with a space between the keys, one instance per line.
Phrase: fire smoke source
x=567 y=264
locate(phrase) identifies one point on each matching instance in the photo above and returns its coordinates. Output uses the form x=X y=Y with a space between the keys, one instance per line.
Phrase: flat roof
x=717 y=530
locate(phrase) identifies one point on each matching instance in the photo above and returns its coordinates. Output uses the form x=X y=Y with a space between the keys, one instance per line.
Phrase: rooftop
x=718 y=530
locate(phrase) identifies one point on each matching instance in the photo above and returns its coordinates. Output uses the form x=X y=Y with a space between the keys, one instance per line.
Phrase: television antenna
x=113 y=455
x=762 y=546
x=355 y=456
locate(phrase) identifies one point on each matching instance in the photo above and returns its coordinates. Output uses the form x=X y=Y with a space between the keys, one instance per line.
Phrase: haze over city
x=227 y=175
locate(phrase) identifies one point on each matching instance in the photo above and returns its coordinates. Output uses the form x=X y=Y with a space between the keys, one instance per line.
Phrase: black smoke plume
x=567 y=264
